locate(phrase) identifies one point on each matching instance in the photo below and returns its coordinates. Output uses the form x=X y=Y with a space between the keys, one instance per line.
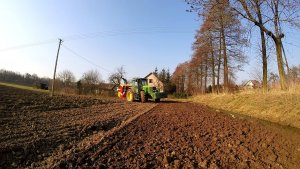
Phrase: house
x=153 y=81
x=252 y=84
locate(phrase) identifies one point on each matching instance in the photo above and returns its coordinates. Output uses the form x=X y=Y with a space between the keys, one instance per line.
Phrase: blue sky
x=138 y=34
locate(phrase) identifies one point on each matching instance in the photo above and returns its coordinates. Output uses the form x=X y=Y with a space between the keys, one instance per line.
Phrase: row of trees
x=17 y=78
x=219 y=42
x=89 y=83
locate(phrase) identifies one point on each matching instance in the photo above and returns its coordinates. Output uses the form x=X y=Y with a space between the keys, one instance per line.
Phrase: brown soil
x=75 y=132
x=35 y=127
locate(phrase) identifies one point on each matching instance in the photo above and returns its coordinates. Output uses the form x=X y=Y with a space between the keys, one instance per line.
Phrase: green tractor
x=139 y=89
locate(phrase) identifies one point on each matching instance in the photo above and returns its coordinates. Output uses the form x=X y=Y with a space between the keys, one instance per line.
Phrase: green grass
x=23 y=87
x=279 y=107
x=60 y=92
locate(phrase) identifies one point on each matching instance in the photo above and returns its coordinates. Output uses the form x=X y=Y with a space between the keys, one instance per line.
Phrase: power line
x=292 y=44
x=87 y=60
x=120 y=32
x=83 y=36
x=27 y=45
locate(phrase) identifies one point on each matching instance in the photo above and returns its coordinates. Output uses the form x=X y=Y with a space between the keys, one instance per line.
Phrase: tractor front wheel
x=143 y=99
x=129 y=95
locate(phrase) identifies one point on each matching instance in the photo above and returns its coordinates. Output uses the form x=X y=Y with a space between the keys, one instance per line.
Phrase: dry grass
x=276 y=106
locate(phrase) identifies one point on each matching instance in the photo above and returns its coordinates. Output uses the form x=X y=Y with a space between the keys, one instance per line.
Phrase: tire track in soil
x=187 y=135
x=57 y=160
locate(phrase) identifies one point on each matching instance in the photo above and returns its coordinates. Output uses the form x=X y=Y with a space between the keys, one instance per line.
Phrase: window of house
x=150 y=80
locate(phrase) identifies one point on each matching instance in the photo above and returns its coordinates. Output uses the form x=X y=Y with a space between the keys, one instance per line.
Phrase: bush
x=180 y=95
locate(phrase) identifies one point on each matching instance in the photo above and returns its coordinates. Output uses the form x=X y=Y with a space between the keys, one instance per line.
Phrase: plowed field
x=35 y=127
x=75 y=132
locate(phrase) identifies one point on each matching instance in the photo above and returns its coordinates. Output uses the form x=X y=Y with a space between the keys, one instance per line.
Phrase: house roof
x=153 y=75
x=254 y=82
x=150 y=74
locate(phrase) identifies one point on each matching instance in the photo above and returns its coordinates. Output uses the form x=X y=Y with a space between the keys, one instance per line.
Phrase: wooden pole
x=53 y=82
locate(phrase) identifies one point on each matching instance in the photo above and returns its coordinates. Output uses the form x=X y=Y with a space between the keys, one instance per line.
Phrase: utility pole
x=53 y=82
x=286 y=62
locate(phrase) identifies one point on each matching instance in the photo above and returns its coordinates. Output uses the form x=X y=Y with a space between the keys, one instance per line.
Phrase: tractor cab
x=139 y=83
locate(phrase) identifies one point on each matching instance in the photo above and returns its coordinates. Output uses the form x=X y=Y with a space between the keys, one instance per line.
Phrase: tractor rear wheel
x=143 y=99
x=129 y=95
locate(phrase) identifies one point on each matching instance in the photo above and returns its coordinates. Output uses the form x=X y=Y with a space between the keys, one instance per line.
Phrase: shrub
x=180 y=95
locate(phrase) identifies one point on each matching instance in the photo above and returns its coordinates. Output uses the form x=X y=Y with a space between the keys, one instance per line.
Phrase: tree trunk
x=212 y=66
x=280 y=64
x=264 y=61
x=178 y=85
x=226 y=87
x=218 y=78
x=212 y=71
x=224 y=49
x=197 y=79
x=263 y=49
x=201 y=77
x=182 y=84
x=205 y=75
x=219 y=64
x=277 y=40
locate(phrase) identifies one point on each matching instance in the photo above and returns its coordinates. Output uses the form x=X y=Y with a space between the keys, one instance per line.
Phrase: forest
x=22 y=79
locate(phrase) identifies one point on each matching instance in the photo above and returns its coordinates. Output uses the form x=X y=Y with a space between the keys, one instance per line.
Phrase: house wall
x=153 y=81
x=249 y=85
x=252 y=85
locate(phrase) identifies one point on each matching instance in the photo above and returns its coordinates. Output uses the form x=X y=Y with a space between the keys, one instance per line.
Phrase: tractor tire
x=143 y=98
x=157 y=100
x=129 y=95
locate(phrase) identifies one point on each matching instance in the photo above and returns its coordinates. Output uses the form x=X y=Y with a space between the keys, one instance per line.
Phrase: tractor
x=139 y=89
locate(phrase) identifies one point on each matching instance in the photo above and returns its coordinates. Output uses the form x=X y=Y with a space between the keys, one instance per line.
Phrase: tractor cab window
x=144 y=82
x=141 y=82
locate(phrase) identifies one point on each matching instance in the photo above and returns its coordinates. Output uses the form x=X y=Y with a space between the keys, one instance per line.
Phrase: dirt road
x=74 y=132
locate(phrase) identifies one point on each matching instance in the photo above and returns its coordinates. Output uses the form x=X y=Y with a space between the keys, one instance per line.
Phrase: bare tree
x=269 y=15
x=294 y=74
x=179 y=77
x=273 y=78
x=67 y=77
x=255 y=9
x=223 y=37
x=90 y=80
x=91 y=77
x=117 y=77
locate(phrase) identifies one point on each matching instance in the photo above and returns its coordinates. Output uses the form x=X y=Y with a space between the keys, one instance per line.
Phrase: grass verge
x=278 y=107
x=31 y=88
x=23 y=87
